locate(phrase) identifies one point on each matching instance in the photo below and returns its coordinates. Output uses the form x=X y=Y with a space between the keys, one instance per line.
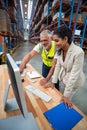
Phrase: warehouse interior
x=20 y=28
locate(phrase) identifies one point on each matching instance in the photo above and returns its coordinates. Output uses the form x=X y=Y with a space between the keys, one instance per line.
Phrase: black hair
x=63 y=32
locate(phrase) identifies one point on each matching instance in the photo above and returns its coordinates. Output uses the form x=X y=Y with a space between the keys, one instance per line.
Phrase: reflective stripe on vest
x=48 y=58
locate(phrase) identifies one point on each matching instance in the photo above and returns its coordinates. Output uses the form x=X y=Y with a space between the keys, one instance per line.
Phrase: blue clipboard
x=62 y=118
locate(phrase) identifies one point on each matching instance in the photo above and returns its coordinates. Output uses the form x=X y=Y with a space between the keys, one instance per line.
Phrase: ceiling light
x=30 y=3
x=25 y=12
x=25 y=5
x=25 y=20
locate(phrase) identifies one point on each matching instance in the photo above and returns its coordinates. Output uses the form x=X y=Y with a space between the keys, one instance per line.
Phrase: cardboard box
x=54 y=3
x=84 y=14
x=79 y=17
x=12 y=11
x=57 y=15
x=5 y=22
x=46 y=8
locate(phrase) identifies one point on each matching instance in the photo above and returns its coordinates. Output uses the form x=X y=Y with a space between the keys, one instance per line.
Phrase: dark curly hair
x=63 y=32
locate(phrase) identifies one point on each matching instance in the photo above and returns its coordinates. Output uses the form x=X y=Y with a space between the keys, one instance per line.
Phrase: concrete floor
x=79 y=99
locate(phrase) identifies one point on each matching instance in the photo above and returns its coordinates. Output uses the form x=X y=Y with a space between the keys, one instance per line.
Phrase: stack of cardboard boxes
x=5 y=23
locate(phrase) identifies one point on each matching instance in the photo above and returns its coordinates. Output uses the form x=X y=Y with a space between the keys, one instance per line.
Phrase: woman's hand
x=49 y=85
x=43 y=81
x=66 y=101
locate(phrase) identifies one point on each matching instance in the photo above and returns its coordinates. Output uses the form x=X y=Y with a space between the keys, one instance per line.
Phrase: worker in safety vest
x=46 y=48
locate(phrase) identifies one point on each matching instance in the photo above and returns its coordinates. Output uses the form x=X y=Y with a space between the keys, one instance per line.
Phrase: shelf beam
x=83 y=34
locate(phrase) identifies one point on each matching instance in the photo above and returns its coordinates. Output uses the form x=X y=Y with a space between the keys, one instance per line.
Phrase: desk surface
x=34 y=104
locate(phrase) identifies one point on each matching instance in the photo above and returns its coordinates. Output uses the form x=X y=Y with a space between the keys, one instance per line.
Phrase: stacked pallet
x=5 y=22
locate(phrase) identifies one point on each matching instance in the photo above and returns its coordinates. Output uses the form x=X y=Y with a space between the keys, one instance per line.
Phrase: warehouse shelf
x=14 y=33
x=72 y=18
x=13 y=4
x=35 y=13
x=3 y=6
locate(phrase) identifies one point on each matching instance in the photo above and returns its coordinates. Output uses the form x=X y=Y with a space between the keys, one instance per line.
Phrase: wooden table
x=35 y=104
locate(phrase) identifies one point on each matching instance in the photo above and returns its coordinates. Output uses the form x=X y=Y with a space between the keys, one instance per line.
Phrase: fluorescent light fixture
x=29 y=8
x=25 y=12
x=25 y=5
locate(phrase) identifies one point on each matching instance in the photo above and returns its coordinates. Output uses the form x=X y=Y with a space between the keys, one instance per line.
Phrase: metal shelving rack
x=13 y=39
x=68 y=7
x=16 y=25
x=77 y=7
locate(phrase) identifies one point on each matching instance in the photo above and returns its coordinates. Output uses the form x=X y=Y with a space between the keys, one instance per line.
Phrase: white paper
x=33 y=74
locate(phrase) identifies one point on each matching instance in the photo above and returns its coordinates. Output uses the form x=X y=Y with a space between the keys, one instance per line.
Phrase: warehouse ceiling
x=27 y=8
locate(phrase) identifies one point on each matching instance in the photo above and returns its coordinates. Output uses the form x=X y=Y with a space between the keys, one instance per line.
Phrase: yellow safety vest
x=48 y=58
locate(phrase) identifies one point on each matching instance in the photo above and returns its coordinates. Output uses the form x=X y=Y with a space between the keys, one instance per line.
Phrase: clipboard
x=62 y=118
